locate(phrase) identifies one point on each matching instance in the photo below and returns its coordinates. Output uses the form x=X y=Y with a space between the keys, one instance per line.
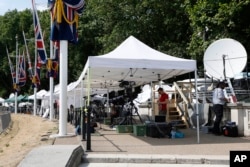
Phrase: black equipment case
x=158 y=129
x=230 y=129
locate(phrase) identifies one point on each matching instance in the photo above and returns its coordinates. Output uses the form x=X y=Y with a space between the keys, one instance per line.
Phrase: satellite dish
x=225 y=58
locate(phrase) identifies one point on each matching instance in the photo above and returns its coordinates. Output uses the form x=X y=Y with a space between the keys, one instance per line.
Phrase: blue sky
x=20 y=5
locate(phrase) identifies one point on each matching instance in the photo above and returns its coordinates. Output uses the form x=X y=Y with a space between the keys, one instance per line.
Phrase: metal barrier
x=5 y=120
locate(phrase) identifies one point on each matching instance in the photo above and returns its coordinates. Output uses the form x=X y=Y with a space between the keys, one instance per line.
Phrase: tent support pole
x=197 y=110
x=108 y=106
x=153 y=105
x=88 y=143
x=83 y=125
x=88 y=85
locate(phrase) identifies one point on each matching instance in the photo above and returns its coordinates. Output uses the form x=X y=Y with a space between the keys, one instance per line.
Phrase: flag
x=21 y=71
x=38 y=35
x=12 y=70
x=53 y=64
x=31 y=75
x=65 y=15
x=36 y=78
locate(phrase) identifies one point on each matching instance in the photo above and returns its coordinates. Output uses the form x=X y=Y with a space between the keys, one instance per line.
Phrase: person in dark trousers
x=71 y=114
x=219 y=101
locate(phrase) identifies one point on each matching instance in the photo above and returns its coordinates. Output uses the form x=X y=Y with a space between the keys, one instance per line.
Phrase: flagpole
x=72 y=20
x=42 y=54
x=16 y=83
x=51 y=80
x=32 y=75
x=63 y=88
x=35 y=84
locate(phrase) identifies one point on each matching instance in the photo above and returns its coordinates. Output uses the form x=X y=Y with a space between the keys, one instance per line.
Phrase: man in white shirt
x=219 y=100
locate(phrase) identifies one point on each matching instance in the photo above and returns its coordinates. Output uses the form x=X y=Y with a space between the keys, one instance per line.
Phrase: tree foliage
x=211 y=20
x=178 y=28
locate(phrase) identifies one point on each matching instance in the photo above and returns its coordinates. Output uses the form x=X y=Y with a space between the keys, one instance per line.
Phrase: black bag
x=230 y=130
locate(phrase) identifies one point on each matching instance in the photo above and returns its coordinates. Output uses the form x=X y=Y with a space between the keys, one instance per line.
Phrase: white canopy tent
x=74 y=94
x=2 y=100
x=39 y=95
x=134 y=61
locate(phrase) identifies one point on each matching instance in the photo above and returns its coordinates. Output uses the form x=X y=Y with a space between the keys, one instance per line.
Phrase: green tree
x=178 y=28
x=162 y=25
x=212 y=20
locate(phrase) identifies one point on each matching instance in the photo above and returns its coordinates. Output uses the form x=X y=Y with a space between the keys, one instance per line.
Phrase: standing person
x=71 y=114
x=162 y=101
x=55 y=109
x=219 y=100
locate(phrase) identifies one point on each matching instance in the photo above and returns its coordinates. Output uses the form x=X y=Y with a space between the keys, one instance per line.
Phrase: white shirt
x=218 y=96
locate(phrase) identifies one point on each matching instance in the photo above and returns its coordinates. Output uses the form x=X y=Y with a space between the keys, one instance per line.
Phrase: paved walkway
x=106 y=140
x=107 y=147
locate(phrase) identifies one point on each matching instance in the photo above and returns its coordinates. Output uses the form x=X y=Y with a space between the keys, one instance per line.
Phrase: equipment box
x=124 y=128
x=230 y=130
x=158 y=130
x=139 y=130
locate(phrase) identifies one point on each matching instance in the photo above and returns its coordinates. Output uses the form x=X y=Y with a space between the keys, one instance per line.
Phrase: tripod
x=129 y=111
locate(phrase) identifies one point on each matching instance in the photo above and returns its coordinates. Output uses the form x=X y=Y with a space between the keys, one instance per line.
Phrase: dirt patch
x=25 y=133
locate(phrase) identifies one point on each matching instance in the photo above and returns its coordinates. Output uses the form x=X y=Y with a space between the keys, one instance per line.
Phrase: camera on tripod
x=128 y=87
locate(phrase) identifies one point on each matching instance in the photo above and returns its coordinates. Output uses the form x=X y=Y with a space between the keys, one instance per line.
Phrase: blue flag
x=65 y=19
x=53 y=64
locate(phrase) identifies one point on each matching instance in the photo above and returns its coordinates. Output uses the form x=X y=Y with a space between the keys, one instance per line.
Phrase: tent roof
x=133 y=60
x=19 y=99
x=39 y=95
x=2 y=99
x=132 y=53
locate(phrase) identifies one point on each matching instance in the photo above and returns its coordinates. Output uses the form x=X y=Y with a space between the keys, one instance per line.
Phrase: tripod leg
x=136 y=111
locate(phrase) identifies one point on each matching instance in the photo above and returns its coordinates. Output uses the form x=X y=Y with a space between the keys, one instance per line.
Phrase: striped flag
x=36 y=78
x=21 y=71
x=31 y=75
x=65 y=19
x=38 y=36
x=53 y=64
x=12 y=69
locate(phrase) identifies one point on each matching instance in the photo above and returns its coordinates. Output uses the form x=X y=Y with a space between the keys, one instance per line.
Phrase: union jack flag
x=21 y=71
x=30 y=70
x=66 y=29
x=13 y=72
x=12 y=69
x=38 y=35
x=36 y=78
x=53 y=64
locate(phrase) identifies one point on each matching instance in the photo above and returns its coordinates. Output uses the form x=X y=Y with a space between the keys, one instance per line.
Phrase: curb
x=155 y=159
x=55 y=155
x=76 y=157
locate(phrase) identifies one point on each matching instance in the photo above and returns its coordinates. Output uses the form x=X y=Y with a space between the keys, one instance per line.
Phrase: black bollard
x=83 y=124
x=88 y=130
